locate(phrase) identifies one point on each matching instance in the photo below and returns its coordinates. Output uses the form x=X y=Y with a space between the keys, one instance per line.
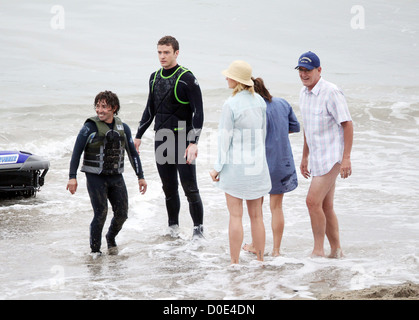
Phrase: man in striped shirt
x=328 y=136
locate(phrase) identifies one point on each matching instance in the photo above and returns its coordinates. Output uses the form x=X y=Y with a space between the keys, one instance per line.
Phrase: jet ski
x=21 y=173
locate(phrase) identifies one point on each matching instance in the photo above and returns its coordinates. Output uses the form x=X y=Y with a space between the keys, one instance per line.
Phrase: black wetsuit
x=102 y=187
x=190 y=112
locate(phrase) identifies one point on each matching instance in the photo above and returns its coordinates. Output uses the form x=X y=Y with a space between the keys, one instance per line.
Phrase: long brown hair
x=260 y=88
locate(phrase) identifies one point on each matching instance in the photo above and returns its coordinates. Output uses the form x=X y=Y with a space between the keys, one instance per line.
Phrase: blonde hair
x=240 y=87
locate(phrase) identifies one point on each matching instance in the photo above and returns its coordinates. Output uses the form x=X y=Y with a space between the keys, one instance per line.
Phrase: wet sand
x=405 y=291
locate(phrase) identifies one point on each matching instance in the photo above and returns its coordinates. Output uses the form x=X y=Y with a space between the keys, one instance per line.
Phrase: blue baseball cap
x=308 y=60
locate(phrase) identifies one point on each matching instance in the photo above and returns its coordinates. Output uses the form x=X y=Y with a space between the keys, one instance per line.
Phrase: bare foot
x=337 y=254
x=249 y=248
x=317 y=255
x=275 y=252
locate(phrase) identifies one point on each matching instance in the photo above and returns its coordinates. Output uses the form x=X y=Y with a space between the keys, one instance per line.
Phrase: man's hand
x=191 y=153
x=72 y=186
x=304 y=168
x=137 y=143
x=345 y=168
x=143 y=185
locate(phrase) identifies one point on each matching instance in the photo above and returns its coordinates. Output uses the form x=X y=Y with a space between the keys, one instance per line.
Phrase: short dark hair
x=169 y=41
x=110 y=98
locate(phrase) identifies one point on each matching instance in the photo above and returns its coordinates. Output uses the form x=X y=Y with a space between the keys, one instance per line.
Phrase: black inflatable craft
x=21 y=173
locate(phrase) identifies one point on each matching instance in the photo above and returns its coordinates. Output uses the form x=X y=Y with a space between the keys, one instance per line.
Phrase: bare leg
x=235 y=229
x=322 y=188
x=332 y=225
x=277 y=225
x=277 y=221
x=258 y=228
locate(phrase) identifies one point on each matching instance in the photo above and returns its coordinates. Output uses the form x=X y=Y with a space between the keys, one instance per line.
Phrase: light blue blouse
x=241 y=159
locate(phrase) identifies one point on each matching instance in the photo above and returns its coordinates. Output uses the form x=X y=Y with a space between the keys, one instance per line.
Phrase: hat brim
x=307 y=66
x=249 y=83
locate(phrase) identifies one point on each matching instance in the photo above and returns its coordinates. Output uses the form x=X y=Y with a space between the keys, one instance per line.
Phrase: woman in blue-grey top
x=281 y=121
x=241 y=170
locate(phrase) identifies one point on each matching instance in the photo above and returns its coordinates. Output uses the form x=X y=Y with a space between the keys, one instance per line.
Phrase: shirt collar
x=317 y=87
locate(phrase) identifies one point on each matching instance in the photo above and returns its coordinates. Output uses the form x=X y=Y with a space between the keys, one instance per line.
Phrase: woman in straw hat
x=241 y=170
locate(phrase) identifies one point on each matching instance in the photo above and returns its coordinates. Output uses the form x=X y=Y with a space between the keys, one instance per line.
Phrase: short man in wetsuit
x=175 y=104
x=104 y=140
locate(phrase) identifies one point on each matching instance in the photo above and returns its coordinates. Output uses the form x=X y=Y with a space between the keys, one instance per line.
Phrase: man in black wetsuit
x=104 y=139
x=175 y=104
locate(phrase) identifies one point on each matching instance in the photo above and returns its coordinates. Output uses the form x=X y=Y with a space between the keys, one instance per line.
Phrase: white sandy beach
x=405 y=291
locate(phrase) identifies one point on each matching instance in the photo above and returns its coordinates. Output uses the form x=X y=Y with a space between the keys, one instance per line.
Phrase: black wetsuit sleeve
x=85 y=133
x=132 y=153
x=148 y=114
x=189 y=90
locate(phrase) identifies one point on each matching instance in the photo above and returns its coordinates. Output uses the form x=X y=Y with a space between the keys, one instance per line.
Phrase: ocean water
x=54 y=60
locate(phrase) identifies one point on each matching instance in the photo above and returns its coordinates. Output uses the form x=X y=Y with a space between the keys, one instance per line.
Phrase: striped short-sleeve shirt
x=323 y=109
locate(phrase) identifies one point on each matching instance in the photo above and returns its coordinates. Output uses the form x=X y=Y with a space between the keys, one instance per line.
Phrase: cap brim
x=307 y=66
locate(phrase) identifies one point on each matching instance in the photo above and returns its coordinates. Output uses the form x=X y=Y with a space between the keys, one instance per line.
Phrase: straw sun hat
x=240 y=71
